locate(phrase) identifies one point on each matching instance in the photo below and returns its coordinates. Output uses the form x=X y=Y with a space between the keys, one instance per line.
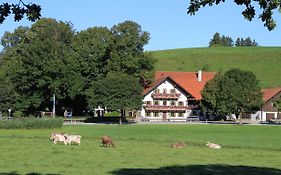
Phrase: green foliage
x=116 y=92
x=264 y=62
x=92 y=48
x=267 y=8
x=39 y=63
x=32 y=123
x=217 y=40
x=10 y=40
x=245 y=42
x=8 y=95
x=50 y=58
x=127 y=54
x=233 y=92
x=112 y=114
x=31 y=10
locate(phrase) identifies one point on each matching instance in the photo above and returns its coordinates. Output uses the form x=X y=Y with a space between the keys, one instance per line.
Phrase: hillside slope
x=265 y=62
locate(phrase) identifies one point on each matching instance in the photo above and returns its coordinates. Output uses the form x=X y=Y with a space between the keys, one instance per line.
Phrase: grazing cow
x=178 y=145
x=107 y=141
x=58 y=137
x=76 y=139
x=54 y=134
x=213 y=145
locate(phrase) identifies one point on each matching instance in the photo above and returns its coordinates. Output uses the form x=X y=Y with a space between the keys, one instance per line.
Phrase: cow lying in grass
x=107 y=141
x=178 y=145
x=213 y=145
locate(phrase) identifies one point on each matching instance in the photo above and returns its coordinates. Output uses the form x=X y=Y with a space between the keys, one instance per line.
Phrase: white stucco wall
x=168 y=86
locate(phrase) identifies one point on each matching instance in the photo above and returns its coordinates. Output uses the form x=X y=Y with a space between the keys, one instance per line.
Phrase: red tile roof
x=269 y=93
x=186 y=80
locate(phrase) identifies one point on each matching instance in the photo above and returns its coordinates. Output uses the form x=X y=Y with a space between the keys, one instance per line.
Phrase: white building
x=174 y=95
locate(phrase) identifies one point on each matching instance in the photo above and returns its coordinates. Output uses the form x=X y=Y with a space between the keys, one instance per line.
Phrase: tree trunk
x=122 y=115
x=240 y=117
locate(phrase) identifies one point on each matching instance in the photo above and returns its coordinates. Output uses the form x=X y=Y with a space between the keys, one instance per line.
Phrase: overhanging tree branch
x=32 y=11
x=267 y=7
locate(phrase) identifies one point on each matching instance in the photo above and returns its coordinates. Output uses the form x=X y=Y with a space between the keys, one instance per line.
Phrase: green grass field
x=265 y=62
x=144 y=150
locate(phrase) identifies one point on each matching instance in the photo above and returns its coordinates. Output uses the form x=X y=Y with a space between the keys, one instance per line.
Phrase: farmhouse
x=174 y=95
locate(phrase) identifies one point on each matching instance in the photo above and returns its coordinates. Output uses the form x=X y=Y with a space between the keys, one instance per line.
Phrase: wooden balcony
x=166 y=108
x=173 y=96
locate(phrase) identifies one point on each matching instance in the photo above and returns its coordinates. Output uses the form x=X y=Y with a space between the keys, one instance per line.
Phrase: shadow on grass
x=15 y=173
x=215 y=169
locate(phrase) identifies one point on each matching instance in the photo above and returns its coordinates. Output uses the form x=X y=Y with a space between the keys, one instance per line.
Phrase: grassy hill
x=265 y=62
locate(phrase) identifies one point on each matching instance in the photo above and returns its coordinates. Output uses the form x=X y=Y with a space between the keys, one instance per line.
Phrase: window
x=156 y=102
x=164 y=90
x=173 y=91
x=156 y=90
x=156 y=114
x=181 y=114
x=180 y=103
x=148 y=102
x=165 y=103
x=147 y=114
x=173 y=114
x=173 y=103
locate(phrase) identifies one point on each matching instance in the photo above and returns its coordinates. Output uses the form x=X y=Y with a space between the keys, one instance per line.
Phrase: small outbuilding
x=268 y=110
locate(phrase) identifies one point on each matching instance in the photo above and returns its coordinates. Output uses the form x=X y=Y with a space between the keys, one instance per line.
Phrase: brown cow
x=107 y=141
x=178 y=145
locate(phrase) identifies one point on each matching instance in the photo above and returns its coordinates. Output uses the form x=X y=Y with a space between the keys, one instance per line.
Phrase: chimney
x=199 y=75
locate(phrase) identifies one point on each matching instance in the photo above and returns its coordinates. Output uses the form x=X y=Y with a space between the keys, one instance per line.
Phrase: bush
x=31 y=123
x=112 y=114
x=18 y=114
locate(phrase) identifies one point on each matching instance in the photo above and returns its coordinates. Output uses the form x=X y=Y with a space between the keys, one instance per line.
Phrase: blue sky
x=166 y=20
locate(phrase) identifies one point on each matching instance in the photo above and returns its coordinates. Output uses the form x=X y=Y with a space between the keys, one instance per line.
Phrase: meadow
x=144 y=150
x=263 y=61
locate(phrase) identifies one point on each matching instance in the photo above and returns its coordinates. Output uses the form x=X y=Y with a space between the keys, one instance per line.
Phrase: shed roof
x=270 y=93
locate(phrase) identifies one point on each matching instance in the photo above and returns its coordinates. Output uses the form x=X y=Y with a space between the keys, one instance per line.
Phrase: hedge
x=31 y=123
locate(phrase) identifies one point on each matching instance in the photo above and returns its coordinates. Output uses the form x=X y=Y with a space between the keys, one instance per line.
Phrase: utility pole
x=54 y=105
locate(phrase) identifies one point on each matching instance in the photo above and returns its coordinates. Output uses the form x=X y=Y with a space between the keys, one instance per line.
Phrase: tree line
x=94 y=67
x=227 y=41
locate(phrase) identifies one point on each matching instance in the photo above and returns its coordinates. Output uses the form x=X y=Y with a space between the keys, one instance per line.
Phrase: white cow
x=76 y=139
x=213 y=145
x=58 y=137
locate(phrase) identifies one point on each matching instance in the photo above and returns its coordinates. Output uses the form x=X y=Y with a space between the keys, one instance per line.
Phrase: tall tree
x=233 y=92
x=11 y=39
x=227 y=41
x=127 y=53
x=245 y=42
x=8 y=94
x=92 y=48
x=40 y=65
x=218 y=40
x=116 y=92
x=238 y=42
x=267 y=7
x=50 y=58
